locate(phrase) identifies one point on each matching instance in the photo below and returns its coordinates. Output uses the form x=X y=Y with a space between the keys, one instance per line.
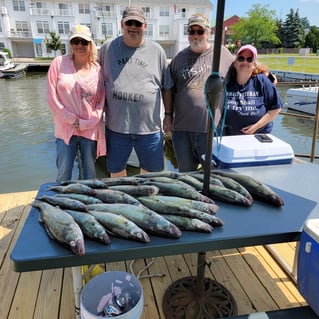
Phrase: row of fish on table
x=162 y=204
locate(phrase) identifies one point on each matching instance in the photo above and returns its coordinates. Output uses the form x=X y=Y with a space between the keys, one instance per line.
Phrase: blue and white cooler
x=247 y=150
x=308 y=264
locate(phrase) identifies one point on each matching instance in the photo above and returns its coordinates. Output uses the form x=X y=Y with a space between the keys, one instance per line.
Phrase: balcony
x=51 y=12
x=105 y=14
x=20 y=34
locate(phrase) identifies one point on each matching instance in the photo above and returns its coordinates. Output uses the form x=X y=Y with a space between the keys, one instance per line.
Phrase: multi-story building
x=25 y=24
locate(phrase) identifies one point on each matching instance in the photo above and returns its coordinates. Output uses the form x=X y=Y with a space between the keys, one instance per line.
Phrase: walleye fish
x=171 y=208
x=232 y=184
x=167 y=174
x=61 y=226
x=74 y=188
x=125 y=180
x=228 y=195
x=192 y=181
x=178 y=188
x=115 y=196
x=120 y=226
x=85 y=199
x=195 y=204
x=255 y=187
x=187 y=223
x=136 y=190
x=212 y=180
x=93 y=183
x=145 y=218
x=65 y=203
x=90 y=226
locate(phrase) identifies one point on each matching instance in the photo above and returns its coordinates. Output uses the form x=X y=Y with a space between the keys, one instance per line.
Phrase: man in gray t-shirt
x=189 y=69
x=137 y=79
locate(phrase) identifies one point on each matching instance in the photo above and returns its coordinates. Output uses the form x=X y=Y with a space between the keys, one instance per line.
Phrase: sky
x=307 y=8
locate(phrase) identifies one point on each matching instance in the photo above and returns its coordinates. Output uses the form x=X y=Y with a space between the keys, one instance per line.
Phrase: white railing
x=105 y=14
x=20 y=34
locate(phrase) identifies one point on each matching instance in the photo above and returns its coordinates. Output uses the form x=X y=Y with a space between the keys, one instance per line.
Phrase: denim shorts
x=149 y=149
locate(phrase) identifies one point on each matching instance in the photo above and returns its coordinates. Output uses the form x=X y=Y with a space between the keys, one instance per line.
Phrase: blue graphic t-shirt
x=246 y=104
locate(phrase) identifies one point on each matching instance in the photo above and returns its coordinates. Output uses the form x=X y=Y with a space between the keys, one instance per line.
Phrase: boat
x=5 y=62
x=10 y=70
x=302 y=99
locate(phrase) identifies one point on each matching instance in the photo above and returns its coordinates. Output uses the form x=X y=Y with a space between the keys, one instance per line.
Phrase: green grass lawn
x=293 y=63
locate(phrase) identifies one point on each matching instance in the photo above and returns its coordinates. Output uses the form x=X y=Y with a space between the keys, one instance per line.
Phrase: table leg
x=77 y=287
x=198 y=297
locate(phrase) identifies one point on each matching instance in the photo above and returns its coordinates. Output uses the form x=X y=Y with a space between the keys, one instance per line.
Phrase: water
x=28 y=145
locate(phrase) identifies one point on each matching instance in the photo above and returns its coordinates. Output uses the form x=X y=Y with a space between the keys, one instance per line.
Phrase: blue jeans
x=66 y=155
x=189 y=147
x=149 y=149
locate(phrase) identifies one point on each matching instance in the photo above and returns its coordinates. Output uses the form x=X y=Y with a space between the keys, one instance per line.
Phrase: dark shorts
x=148 y=148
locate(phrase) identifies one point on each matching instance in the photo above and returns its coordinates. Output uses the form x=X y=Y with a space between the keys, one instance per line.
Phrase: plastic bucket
x=98 y=291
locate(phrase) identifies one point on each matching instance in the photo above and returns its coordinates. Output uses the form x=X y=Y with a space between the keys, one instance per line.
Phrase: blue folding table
x=259 y=224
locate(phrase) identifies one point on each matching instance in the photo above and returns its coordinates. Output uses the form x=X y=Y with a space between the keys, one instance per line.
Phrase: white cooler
x=246 y=150
x=308 y=264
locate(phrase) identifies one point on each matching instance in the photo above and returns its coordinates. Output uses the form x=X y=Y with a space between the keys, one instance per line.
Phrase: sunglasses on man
x=129 y=23
x=77 y=41
x=199 y=32
x=242 y=59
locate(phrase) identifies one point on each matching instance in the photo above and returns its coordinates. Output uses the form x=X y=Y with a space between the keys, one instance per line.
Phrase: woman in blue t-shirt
x=252 y=99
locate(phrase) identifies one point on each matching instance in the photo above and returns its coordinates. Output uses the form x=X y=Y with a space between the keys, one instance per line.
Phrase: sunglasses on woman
x=129 y=23
x=242 y=59
x=77 y=41
x=192 y=32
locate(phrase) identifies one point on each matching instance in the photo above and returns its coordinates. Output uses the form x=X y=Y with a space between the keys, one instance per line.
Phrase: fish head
x=142 y=236
x=77 y=247
x=105 y=238
x=173 y=231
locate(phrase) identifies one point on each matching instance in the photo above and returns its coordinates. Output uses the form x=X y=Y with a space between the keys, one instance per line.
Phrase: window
x=147 y=11
x=104 y=11
x=164 y=31
x=43 y=26
x=38 y=49
x=18 y=5
x=22 y=26
x=63 y=48
x=107 y=29
x=149 y=31
x=84 y=8
x=41 y=8
x=185 y=29
x=164 y=12
x=64 y=9
x=200 y=10
x=63 y=27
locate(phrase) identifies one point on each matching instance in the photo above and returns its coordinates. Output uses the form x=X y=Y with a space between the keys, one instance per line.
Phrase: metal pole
x=315 y=132
x=214 y=101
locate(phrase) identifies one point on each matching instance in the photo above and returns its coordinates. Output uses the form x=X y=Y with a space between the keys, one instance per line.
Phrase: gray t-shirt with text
x=190 y=71
x=134 y=78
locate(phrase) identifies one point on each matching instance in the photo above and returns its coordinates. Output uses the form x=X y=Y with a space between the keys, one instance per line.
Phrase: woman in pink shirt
x=76 y=96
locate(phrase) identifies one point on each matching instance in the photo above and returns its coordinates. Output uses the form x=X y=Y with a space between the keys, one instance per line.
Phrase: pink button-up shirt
x=70 y=97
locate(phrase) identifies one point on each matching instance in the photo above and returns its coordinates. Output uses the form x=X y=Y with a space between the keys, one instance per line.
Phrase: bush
x=8 y=51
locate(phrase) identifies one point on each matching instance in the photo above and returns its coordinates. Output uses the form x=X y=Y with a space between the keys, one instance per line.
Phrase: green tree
x=312 y=39
x=259 y=28
x=53 y=42
x=292 y=30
